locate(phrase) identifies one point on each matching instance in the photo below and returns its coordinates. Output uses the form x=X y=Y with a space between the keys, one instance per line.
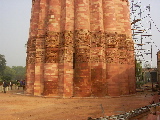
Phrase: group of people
x=5 y=84
x=19 y=83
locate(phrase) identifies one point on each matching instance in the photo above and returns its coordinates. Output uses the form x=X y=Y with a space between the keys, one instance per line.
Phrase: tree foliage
x=139 y=70
x=14 y=73
x=19 y=72
x=9 y=73
x=2 y=64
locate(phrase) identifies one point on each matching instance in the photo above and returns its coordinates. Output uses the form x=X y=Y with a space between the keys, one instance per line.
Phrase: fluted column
x=82 y=83
x=31 y=49
x=123 y=64
x=66 y=66
x=119 y=16
x=40 y=50
x=131 y=67
x=127 y=21
x=112 y=65
x=98 y=66
x=123 y=45
x=130 y=49
x=52 y=48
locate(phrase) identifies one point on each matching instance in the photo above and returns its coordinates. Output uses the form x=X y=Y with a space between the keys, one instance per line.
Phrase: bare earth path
x=21 y=107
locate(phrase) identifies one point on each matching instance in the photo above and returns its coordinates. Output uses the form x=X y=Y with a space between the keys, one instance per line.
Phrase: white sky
x=14 y=29
x=155 y=16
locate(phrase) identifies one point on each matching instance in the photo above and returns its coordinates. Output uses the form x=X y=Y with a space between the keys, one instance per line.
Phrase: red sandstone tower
x=80 y=48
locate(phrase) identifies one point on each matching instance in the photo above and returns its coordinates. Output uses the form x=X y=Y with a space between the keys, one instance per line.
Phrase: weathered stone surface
x=80 y=48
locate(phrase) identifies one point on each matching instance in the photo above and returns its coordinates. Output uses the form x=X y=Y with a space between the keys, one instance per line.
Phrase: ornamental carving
x=40 y=53
x=83 y=50
x=82 y=54
x=82 y=38
x=66 y=39
x=68 y=58
x=40 y=56
x=122 y=54
x=111 y=53
x=111 y=40
x=66 y=55
x=31 y=44
x=82 y=57
x=110 y=60
x=51 y=55
x=122 y=41
x=52 y=39
x=111 y=56
x=31 y=51
x=97 y=55
x=61 y=55
x=130 y=45
x=39 y=60
x=130 y=58
x=97 y=58
x=97 y=39
x=31 y=57
x=40 y=44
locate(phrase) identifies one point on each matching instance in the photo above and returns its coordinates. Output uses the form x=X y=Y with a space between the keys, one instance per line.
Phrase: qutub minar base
x=80 y=48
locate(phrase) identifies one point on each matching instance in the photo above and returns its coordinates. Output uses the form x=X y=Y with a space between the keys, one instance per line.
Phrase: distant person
x=18 y=84
x=4 y=86
x=10 y=84
x=23 y=84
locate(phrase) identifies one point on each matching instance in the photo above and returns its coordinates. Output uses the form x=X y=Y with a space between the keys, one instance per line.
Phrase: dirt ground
x=14 y=105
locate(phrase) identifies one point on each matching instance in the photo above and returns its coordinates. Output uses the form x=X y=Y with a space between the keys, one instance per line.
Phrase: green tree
x=19 y=72
x=139 y=70
x=9 y=73
x=2 y=65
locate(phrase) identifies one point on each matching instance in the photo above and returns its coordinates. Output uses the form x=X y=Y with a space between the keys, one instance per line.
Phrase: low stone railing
x=128 y=115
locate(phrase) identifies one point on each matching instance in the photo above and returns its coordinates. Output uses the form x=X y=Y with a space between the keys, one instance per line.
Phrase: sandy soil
x=14 y=105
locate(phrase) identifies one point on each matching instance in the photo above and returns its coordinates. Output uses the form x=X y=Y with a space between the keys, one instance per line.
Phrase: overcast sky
x=14 y=29
x=154 y=19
